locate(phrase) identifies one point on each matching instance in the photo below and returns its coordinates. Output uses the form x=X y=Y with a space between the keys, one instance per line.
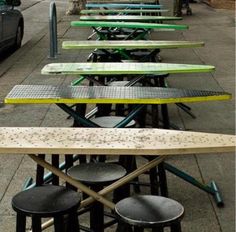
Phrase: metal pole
x=53 y=30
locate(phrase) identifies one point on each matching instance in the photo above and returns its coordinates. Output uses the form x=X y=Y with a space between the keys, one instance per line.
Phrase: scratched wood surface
x=112 y=141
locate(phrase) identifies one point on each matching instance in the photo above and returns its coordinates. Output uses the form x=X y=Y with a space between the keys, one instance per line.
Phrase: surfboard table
x=130 y=44
x=122 y=68
x=89 y=70
x=123 y=1
x=123 y=5
x=133 y=25
x=119 y=50
x=131 y=18
x=47 y=94
x=122 y=11
x=112 y=30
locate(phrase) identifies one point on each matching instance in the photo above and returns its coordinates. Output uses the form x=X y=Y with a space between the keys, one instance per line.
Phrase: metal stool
x=148 y=211
x=97 y=175
x=47 y=201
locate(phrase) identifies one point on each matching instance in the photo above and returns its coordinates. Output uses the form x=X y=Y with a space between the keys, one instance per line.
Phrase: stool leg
x=40 y=172
x=69 y=163
x=138 y=229
x=97 y=214
x=158 y=229
x=80 y=110
x=119 y=110
x=141 y=119
x=73 y=222
x=153 y=181
x=162 y=180
x=97 y=217
x=165 y=116
x=55 y=163
x=123 y=191
x=103 y=110
x=155 y=116
x=175 y=227
x=20 y=222
x=129 y=163
x=164 y=108
x=137 y=188
x=36 y=224
x=153 y=176
x=123 y=227
x=59 y=224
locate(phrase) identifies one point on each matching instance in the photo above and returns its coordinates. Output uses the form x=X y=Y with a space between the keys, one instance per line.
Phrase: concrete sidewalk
x=216 y=28
x=36 y=16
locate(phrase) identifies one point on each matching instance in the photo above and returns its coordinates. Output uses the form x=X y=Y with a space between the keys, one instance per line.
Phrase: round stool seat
x=46 y=201
x=97 y=173
x=111 y=121
x=149 y=211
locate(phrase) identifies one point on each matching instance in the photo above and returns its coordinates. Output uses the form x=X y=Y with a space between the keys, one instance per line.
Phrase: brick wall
x=224 y=4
